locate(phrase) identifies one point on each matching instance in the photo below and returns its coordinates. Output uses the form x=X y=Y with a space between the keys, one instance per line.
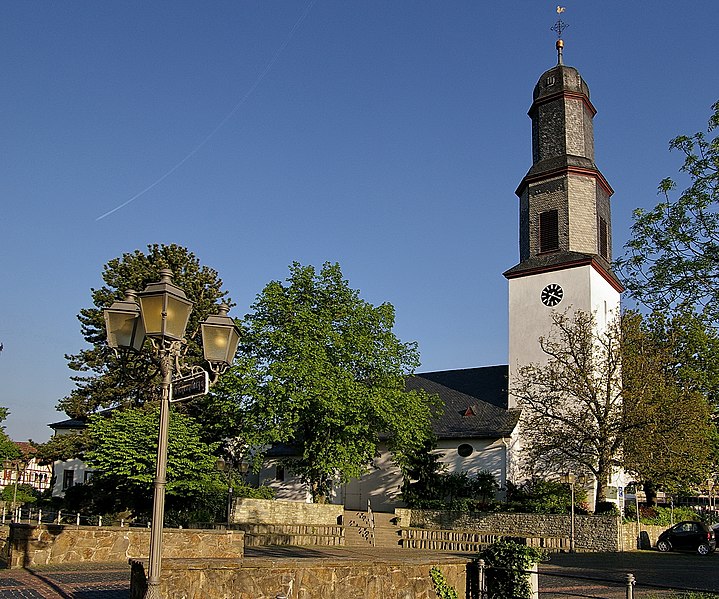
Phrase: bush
x=507 y=565
x=658 y=515
x=456 y=492
x=607 y=508
x=537 y=496
x=245 y=490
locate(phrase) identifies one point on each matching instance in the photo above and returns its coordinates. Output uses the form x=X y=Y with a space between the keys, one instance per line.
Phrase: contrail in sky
x=248 y=93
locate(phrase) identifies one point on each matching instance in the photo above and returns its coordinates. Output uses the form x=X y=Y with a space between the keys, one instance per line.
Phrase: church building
x=565 y=245
x=565 y=252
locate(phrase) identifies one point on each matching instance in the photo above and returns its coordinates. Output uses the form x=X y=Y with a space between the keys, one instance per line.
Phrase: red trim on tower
x=564 y=94
x=588 y=261
x=566 y=170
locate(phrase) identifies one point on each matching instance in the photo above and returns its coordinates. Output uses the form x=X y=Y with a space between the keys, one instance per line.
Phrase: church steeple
x=564 y=198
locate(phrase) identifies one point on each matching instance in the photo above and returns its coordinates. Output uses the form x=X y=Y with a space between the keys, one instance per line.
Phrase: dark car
x=688 y=536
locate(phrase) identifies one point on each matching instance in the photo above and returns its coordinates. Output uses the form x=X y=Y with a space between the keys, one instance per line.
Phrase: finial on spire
x=558 y=27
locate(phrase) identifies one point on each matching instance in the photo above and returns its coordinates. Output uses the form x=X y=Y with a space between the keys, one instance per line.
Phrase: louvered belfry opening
x=548 y=231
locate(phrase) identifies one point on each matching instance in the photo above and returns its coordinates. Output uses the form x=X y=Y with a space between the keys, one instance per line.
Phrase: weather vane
x=559 y=27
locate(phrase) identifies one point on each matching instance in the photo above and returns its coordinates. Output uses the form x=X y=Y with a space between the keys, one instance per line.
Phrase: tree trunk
x=650 y=490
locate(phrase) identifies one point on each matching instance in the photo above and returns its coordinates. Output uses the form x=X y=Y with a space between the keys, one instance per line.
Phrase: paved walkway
x=81 y=581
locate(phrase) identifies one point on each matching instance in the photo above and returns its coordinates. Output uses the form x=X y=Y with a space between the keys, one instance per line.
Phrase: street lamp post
x=161 y=313
x=571 y=479
x=226 y=466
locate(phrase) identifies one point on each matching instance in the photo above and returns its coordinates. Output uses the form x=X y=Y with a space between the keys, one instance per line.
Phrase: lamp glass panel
x=151 y=307
x=215 y=341
x=122 y=330
x=232 y=345
x=178 y=313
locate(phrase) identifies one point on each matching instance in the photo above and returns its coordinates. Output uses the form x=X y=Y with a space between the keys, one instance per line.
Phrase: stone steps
x=358 y=532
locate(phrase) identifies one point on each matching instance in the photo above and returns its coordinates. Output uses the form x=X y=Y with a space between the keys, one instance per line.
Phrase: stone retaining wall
x=59 y=544
x=592 y=533
x=309 y=579
x=265 y=511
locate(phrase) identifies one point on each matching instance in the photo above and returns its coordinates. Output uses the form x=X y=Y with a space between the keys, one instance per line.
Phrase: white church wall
x=487 y=454
x=605 y=300
x=382 y=486
x=529 y=318
x=283 y=482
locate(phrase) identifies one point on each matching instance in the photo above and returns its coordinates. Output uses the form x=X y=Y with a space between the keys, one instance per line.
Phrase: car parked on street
x=688 y=536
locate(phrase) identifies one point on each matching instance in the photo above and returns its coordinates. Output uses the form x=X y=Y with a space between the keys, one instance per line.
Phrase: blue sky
x=386 y=136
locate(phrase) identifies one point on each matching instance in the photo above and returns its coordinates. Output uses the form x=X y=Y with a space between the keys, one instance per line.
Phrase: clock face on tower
x=552 y=294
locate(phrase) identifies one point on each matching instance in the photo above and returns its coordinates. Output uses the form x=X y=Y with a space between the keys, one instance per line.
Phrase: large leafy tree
x=122 y=451
x=324 y=373
x=666 y=386
x=109 y=380
x=672 y=259
x=572 y=416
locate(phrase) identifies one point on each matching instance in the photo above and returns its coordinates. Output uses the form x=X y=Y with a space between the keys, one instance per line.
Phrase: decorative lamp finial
x=558 y=27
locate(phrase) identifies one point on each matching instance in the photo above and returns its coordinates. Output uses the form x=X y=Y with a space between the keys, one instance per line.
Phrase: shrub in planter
x=508 y=564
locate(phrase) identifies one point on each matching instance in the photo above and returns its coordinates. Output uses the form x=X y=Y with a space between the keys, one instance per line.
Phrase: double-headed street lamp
x=160 y=313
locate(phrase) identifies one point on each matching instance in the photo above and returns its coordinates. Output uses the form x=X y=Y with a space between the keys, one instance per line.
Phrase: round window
x=465 y=450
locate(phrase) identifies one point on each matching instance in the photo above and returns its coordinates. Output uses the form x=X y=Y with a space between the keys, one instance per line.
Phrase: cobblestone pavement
x=603 y=575
x=81 y=581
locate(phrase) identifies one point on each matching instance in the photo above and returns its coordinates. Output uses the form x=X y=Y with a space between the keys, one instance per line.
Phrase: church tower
x=565 y=227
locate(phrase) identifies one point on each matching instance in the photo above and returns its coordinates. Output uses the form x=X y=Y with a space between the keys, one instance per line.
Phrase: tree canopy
x=634 y=395
x=108 y=380
x=122 y=451
x=8 y=449
x=324 y=373
x=666 y=386
x=672 y=259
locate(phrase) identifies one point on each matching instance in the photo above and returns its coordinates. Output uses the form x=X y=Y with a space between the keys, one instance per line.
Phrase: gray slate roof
x=465 y=415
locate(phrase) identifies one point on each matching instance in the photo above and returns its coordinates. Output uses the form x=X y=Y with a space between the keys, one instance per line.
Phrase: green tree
x=107 y=379
x=672 y=259
x=63 y=447
x=325 y=373
x=25 y=494
x=422 y=476
x=572 y=412
x=8 y=449
x=666 y=387
x=123 y=449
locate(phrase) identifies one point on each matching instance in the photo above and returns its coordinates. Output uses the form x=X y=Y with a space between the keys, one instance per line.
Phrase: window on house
x=280 y=473
x=549 y=231
x=68 y=479
x=88 y=475
x=603 y=239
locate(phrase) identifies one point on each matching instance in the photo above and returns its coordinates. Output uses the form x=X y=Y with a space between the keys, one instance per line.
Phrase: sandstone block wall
x=264 y=511
x=630 y=534
x=57 y=544
x=592 y=533
x=308 y=579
